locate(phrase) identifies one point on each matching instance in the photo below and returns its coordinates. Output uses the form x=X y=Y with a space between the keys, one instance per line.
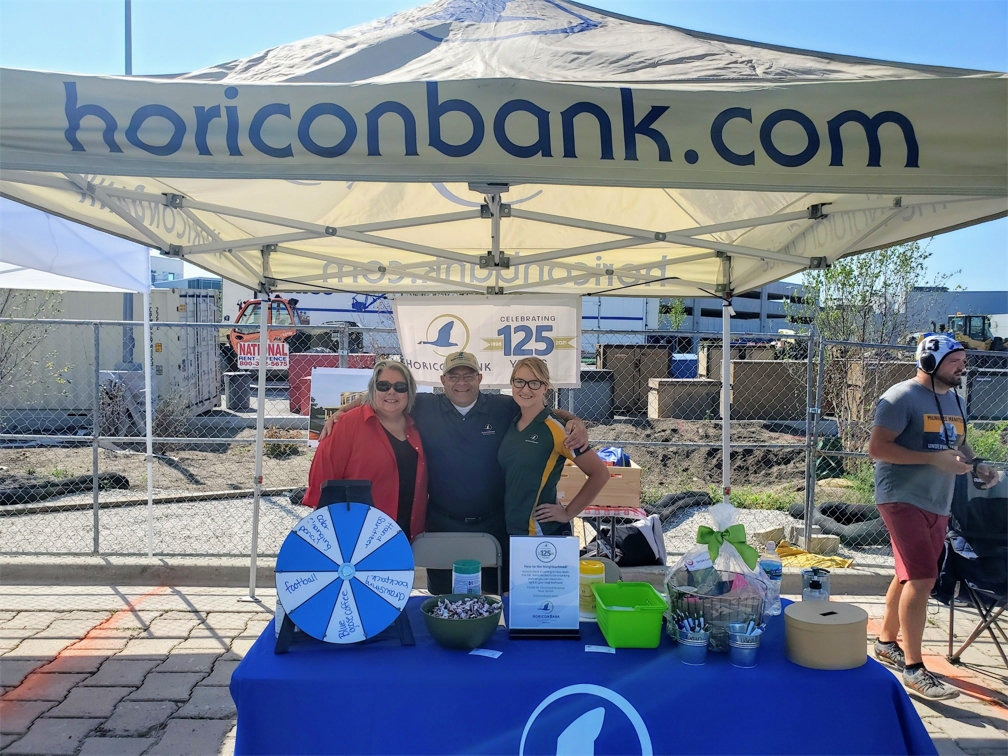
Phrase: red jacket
x=358 y=449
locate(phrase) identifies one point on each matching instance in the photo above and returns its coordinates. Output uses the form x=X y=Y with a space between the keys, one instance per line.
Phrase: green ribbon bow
x=735 y=535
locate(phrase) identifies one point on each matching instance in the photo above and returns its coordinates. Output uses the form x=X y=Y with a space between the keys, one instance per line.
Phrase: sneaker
x=890 y=653
x=928 y=685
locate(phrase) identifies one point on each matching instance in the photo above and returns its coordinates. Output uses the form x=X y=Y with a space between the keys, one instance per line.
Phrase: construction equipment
x=979 y=332
x=282 y=321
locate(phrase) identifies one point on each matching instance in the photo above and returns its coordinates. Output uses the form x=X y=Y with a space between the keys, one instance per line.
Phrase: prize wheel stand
x=345 y=572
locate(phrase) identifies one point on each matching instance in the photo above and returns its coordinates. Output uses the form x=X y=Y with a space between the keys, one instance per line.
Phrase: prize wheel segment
x=344 y=573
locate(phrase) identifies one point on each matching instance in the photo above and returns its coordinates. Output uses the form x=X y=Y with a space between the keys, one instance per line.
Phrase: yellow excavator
x=980 y=332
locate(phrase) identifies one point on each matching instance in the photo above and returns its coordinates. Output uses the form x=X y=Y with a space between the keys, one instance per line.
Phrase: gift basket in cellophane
x=717 y=583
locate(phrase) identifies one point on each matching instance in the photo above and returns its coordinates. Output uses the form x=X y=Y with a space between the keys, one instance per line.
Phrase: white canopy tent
x=523 y=146
x=45 y=253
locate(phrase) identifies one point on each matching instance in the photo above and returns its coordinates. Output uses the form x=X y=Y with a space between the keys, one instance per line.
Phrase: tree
x=674 y=310
x=21 y=342
x=856 y=301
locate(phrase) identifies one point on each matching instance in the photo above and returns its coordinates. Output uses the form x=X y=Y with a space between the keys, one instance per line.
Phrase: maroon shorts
x=917 y=539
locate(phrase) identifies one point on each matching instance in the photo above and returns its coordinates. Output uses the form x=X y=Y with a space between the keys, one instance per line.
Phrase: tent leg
x=726 y=400
x=149 y=423
x=260 y=437
x=95 y=432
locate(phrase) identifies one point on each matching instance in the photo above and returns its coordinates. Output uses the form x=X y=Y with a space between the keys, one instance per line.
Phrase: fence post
x=809 y=423
x=344 y=346
x=815 y=412
x=95 y=432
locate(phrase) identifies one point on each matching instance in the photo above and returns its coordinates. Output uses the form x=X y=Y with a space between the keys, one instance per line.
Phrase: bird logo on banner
x=447 y=334
x=443 y=336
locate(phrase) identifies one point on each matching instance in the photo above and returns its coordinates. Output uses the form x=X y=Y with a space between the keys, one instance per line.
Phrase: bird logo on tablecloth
x=585 y=719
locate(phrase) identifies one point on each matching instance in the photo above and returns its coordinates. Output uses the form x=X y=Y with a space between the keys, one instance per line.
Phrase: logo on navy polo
x=585 y=719
x=488 y=430
x=533 y=439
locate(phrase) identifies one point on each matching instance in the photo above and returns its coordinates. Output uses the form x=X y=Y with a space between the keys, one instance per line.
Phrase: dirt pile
x=679 y=468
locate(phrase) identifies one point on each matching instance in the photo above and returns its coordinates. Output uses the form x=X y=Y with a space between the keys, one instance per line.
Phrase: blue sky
x=173 y=36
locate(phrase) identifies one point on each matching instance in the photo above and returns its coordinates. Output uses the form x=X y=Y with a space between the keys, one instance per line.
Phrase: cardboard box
x=622 y=490
x=826 y=634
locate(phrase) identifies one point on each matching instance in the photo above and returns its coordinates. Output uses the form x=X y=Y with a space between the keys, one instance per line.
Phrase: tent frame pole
x=114 y=198
x=149 y=399
x=95 y=433
x=726 y=310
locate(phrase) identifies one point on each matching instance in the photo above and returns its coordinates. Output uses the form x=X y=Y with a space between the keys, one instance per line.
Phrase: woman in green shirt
x=532 y=455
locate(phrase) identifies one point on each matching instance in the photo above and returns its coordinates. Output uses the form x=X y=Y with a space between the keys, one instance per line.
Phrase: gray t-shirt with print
x=910 y=410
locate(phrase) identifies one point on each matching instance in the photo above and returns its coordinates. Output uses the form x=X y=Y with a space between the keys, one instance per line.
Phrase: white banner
x=858 y=135
x=498 y=331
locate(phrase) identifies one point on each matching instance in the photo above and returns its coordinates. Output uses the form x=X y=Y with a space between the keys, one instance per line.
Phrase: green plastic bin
x=629 y=614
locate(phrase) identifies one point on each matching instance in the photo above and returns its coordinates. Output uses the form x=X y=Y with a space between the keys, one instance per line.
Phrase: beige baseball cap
x=460 y=359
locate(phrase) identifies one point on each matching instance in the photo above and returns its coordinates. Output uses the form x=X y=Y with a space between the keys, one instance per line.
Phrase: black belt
x=463 y=520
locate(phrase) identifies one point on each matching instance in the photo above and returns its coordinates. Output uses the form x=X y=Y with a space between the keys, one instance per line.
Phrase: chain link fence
x=73 y=454
x=853 y=378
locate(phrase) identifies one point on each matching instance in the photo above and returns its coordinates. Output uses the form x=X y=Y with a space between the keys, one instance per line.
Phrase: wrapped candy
x=467 y=608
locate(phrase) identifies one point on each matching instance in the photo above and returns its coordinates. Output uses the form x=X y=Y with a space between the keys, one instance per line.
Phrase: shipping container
x=48 y=367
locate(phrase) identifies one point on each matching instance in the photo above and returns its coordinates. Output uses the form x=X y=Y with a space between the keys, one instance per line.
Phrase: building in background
x=927 y=304
x=199 y=282
x=165 y=270
x=623 y=318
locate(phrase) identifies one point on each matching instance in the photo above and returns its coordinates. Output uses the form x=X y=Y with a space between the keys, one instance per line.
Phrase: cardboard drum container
x=826 y=634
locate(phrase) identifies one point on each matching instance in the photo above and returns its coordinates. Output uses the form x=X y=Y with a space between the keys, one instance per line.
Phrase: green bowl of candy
x=460 y=620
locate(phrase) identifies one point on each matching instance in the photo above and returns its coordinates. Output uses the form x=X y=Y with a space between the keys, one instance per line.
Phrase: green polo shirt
x=532 y=460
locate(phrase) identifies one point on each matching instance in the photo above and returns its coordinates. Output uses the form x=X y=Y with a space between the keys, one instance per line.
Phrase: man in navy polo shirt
x=461 y=432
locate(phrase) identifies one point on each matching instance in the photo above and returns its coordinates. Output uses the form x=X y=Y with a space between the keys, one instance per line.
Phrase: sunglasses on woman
x=399 y=386
x=520 y=383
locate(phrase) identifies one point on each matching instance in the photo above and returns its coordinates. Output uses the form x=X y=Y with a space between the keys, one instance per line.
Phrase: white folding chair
x=439 y=551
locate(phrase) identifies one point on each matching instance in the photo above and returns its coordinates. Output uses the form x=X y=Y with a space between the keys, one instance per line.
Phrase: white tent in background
x=501 y=148
x=42 y=252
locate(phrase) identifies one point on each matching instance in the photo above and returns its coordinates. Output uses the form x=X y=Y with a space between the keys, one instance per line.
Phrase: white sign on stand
x=544 y=587
x=331 y=388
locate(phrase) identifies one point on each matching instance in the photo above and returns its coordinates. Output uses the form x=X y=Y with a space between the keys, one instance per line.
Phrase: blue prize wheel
x=344 y=573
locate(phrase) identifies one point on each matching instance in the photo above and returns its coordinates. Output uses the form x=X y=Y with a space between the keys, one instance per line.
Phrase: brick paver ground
x=106 y=670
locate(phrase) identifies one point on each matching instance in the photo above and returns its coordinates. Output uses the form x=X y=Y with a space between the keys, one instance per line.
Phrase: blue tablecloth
x=384 y=698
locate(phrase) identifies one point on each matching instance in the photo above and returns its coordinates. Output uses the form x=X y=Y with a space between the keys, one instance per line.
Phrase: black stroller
x=976 y=559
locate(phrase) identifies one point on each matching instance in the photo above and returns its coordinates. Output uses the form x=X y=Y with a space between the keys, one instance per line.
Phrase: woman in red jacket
x=379 y=442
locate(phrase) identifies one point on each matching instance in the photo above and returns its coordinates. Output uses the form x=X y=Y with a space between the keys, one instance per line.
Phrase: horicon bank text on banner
x=499 y=331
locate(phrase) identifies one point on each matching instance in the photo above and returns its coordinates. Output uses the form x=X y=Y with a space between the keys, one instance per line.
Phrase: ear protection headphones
x=934 y=348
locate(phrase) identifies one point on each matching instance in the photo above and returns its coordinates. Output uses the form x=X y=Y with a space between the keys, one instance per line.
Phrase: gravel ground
x=224 y=527
x=189 y=528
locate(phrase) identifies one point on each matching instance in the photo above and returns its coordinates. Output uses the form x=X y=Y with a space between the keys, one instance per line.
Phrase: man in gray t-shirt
x=910 y=410
x=919 y=446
